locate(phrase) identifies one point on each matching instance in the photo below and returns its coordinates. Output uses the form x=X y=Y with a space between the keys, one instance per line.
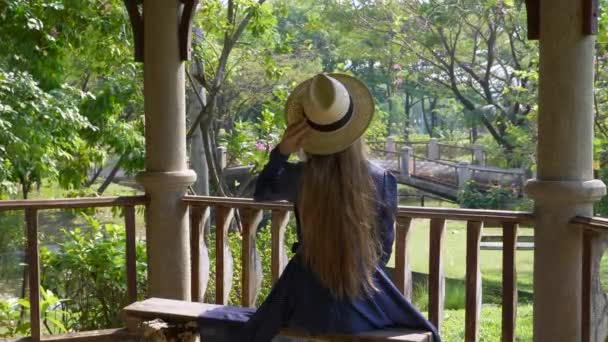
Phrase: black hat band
x=334 y=126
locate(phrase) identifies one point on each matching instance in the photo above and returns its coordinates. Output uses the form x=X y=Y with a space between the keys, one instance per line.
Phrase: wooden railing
x=592 y=227
x=32 y=208
x=251 y=213
x=447 y=173
x=475 y=220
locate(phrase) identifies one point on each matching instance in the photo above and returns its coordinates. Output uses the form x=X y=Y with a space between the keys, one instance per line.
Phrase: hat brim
x=323 y=143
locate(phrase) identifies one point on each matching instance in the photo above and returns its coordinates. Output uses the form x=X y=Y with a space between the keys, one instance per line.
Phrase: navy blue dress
x=299 y=301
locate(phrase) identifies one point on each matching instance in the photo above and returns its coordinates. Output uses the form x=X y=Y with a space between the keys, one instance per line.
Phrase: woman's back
x=345 y=210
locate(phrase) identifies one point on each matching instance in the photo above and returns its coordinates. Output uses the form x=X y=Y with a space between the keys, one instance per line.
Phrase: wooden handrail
x=73 y=203
x=465 y=214
x=251 y=211
x=592 y=227
x=475 y=219
x=32 y=209
x=595 y=223
x=234 y=202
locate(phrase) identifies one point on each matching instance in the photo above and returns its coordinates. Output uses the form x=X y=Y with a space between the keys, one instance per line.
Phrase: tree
x=80 y=47
x=242 y=31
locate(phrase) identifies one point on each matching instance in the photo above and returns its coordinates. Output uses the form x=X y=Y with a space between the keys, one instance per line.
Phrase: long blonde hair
x=337 y=211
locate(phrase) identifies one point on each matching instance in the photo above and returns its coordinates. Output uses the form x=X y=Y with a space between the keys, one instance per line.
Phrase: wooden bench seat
x=175 y=311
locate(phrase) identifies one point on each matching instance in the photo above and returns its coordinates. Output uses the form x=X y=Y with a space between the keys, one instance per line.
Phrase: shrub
x=88 y=269
x=497 y=197
x=14 y=315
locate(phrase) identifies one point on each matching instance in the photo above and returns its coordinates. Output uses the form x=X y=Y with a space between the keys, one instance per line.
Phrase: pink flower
x=261 y=146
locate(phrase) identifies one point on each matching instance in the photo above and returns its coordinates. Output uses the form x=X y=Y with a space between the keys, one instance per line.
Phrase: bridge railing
x=445 y=173
x=488 y=177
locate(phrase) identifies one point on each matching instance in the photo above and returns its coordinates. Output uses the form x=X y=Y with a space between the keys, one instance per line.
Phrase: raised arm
x=279 y=180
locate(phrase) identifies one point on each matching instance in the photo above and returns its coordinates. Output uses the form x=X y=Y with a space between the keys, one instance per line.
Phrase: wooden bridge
x=430 y=166
x=443 y=169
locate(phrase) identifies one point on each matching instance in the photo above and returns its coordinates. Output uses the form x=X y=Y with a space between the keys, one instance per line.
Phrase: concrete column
x=390 y=144
x=478 y=155
x=464 y=173
x=167 y=175
x=405 y=161
x=564 y=187
x=222 y=157
x=433 y=149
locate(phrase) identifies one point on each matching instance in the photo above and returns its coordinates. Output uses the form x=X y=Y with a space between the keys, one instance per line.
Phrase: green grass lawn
x=454 y=254
x=452 y=329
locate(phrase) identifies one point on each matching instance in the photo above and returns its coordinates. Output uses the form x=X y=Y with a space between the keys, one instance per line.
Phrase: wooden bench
x=175 y=311
x=494 y=243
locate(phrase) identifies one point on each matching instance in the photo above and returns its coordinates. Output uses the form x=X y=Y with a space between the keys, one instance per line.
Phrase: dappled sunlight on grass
x=454 y=254
x=489 y=326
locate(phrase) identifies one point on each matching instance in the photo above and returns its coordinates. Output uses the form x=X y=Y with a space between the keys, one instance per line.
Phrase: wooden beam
x=436 y=276
x=533 y=16
x=509 y=282
x=473 y=281
x=251 y=263
x=590 y=17
x=280 y=219
x=137 y=25
x=33 y=264
x=223 y=258
x=403 y=274
x=131 y=262
x=185 y=28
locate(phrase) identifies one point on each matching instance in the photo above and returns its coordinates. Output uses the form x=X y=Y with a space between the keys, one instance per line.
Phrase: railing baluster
x=509 y=281
x=199 y=255
x=223 y=257
x=473 y=282
x=280 y=219
x=587 y=279
x=436 y=277
x=251 y=262
x=31 y=218
x=131 y=261
x=403 y=274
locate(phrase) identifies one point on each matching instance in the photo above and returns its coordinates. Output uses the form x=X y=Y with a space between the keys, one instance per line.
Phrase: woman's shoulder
x=382 y=177
x=378 y=171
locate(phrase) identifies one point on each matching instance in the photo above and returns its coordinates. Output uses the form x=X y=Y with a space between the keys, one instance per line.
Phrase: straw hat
x=338 y=108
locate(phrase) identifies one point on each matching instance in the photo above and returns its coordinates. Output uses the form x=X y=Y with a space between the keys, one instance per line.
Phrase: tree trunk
x=474 y=134
x=429 y=124
x=111 y=176
x=198 y=158
x=94 y=178
x=391 y=116
x=407 y=112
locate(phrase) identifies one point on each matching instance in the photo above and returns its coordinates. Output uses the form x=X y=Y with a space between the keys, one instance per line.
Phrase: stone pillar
x=390 y=144
x=479 y=155
x=167 y=175
x=464 y=173
x=222 y=157
x=564 y=186
x=433 y=149
x=405 y=160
